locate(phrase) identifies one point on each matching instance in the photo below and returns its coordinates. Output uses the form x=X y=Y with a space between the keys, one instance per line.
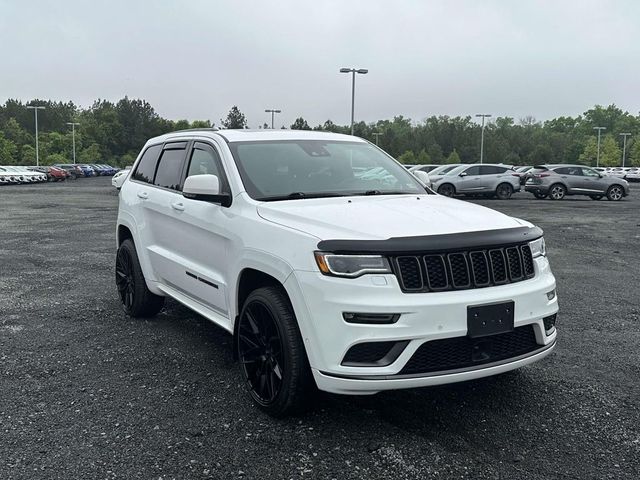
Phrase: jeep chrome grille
x=463 y=270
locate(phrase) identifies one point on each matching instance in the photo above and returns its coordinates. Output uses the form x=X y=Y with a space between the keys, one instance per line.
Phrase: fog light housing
x=551 y=295
x=370 y=318
x=549 y=323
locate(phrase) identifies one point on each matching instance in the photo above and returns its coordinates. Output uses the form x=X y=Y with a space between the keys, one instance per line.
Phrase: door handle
x=177 y=206
x=143 y=195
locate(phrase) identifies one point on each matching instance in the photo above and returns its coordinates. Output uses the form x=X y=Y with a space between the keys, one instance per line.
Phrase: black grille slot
x=515 y=266
x=498 y=267
x=368 y=352
x=436 y=272
x=461 y=270
x=479 y=268
x=410 y=273
x=527 y=261
x=465 y=352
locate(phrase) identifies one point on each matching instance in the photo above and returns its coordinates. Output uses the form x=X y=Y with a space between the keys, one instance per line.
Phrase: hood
x=383 y=217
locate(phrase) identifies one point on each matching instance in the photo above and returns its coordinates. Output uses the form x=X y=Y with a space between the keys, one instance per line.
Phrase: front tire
x=272 y=357
x=137 y=300
x=595 y=197
x=557 y=191
x=504 y=191
x=615 y=193
x=540 y=196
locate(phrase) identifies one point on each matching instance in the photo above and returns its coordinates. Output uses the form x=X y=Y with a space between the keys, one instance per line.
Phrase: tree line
x=114 y=133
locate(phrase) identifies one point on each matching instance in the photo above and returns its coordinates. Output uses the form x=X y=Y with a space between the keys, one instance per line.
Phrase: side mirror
x=423 y=177
x=463 y=174
x=205 y=188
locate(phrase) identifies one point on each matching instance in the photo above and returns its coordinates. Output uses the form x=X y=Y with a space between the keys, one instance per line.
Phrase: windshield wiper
x=380 y=192
x=300 y=196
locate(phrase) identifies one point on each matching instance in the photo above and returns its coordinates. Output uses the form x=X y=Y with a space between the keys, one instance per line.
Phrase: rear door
x=572 y=178
x=161 y=213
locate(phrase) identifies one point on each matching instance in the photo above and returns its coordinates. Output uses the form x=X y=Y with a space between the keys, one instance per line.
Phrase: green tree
x=590 y=152
x=235 y=119
x=423 y=157
x=56 y=158
x=300 y=124
x=8 y=151
x=407 y=158
x=202 y=124
x=91 y=154
x=454 y=157
x=633 y=152
x=610 y=152
x=27 y=155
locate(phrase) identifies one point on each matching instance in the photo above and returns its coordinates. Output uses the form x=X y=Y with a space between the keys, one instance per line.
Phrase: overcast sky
x=196 y=59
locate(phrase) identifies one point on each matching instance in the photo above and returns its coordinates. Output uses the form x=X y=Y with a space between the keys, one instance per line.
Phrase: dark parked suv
x=556 y=181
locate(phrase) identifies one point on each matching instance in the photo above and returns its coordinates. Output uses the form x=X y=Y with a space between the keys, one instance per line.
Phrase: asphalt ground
x=86 y=392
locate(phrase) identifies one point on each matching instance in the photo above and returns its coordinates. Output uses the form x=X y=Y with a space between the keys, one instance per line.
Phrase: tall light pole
x=377 y=135
x=624 y=146
x=598 y=154
x=35 y=109
x=353 y=72
x=272 y=111
x=483 y=115
x=73 y=136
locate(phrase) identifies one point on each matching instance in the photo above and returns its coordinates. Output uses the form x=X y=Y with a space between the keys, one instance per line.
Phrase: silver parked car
x=557 y=181
x=476 y=179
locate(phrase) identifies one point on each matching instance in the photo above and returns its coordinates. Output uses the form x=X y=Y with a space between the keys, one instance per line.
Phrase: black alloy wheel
x=125 y=281
x=557 y=191
x=447 y=190
x=615 y=193
x=260 y=352
x=504 y=191
x=137 y=300
x=272 y=355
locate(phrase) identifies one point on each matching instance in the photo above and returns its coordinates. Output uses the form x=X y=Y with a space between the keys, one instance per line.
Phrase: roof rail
x=207 y=129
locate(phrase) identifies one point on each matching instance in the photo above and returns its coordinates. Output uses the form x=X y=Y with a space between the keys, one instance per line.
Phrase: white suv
x=330 y=264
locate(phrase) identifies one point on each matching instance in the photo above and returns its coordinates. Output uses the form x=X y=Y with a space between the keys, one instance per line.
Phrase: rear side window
x=169 y=172
x=475 y=170
x=147 y=166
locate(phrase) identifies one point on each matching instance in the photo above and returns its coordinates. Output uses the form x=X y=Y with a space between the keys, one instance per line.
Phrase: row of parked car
x=12 y=174
x=543 y=181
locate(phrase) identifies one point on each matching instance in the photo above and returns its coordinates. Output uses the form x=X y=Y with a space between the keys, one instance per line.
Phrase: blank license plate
x=483 y=320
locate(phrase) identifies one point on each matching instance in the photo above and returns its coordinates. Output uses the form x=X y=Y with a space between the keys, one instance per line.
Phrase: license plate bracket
x=491 y=319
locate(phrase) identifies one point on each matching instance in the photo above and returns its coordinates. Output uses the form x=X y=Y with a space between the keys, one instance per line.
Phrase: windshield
x=294 y=169
x=442 y=169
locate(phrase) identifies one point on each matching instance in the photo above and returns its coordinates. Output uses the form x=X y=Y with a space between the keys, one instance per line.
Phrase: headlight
x=351 y=266
x=538 y=247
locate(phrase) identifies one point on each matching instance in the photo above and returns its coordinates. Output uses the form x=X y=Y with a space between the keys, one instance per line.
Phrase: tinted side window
x=562 y=171
x=147 y=166
x=170 y=169
x=488 y=170
x=204 y=161
x=475 y=170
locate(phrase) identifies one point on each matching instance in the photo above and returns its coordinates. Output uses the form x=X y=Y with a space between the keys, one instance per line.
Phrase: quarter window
x=146 y=168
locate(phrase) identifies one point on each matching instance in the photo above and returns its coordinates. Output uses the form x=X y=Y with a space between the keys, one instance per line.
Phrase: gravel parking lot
x=86 y=392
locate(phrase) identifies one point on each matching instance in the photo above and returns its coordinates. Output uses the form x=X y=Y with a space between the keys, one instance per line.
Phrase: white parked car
x=7 y=177
x=633 y=175
x=25 y=175
x=328 y=277
x=119 y=177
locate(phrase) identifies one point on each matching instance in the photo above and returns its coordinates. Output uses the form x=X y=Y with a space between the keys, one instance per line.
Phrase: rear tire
x=615 y=193
x=447 y=190
x=504 y=191
x=595 y=197
x=540 y=196
x=137 y=300
x=557 y=191
x=273 y=360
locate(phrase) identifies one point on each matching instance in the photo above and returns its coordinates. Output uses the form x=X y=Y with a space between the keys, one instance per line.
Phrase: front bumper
x=319 y=302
